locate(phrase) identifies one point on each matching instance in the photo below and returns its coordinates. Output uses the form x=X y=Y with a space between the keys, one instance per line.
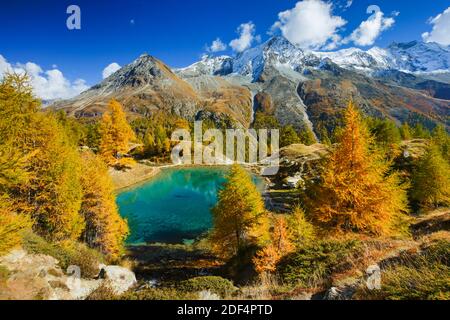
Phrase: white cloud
x=110 y=69
x=47 y=85
x=310 y=24
x=441 y=29
x=349 y=3
x=247 y=36
x=4 y=66
x=217 y=46
x=369 y=30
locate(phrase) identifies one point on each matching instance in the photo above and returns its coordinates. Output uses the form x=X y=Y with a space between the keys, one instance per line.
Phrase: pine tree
x=239 y=217
x=105 y=229
x=325 y=137
x=441 y=139
x=162 y=142
x=115 y=134
x=357 y=194
x=420 y=132
x=384 y=131
x=307 y=137
x=431 y=179
x=149 y=143
x=288 y=136
x=405 y=131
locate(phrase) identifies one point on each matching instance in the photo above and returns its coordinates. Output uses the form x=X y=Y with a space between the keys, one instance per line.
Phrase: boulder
x=120 y=279
x=37 y=276
x=293 y=182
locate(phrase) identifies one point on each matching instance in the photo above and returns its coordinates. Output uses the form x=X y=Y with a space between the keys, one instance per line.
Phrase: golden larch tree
x=115 y=132
x=267 y=258
x=12 y=172
x=105 y=229
x=239 y=217
x=301 y=231
x=51 y=195
x=357 y=193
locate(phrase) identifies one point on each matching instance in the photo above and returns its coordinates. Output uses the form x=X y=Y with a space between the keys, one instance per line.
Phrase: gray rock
x=120 y=279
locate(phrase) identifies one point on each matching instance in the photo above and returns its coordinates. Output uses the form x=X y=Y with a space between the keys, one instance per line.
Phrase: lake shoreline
x=142 y=173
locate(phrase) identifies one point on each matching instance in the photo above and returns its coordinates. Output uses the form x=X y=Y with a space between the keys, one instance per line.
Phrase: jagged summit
x=411 y=57
x=419 y=56
x=208 y=65
x=144 y=70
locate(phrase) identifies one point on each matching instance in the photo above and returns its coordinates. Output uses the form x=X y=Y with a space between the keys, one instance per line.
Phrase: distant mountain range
x=413 y=57
x=405 y=82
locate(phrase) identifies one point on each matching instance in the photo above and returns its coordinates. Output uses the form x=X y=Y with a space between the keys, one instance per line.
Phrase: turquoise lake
x=173 y=207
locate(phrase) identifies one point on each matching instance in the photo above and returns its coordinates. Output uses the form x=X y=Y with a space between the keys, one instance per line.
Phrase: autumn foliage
x=431 y=179
x=45 y=182
x=105 y=229
x=267 y=258
x=357 y=193
x=239 y=217
x=116 y=134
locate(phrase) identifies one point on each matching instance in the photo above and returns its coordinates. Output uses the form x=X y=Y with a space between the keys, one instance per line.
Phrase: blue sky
x=176 y=31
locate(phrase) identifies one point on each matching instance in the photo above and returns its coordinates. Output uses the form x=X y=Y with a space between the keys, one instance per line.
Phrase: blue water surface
x=173 y=207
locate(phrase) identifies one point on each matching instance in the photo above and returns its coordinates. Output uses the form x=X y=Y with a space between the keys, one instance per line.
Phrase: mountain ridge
x=413 y=57
x=306 y=89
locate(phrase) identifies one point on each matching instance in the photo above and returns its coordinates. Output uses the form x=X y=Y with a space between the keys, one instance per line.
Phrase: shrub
x=4 y=274
x=217 y=285
x=240 y=268
x=314 y=263
x=67 y=253
x=102 y=293
x=158 y=294
x=86 y=258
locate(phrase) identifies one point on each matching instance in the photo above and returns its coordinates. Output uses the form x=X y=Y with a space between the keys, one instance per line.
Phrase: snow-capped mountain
x=208 y=65
x=354 y=58
x=301 y=88
x=420 y=57
x=277 y=51
x=413 y=57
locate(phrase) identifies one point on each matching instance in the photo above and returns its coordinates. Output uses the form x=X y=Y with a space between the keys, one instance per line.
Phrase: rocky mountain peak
x=279 y=43
x=144 y=70
x=403 y=45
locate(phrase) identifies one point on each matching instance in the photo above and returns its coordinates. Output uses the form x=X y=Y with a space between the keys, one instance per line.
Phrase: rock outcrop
x=36 y=276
